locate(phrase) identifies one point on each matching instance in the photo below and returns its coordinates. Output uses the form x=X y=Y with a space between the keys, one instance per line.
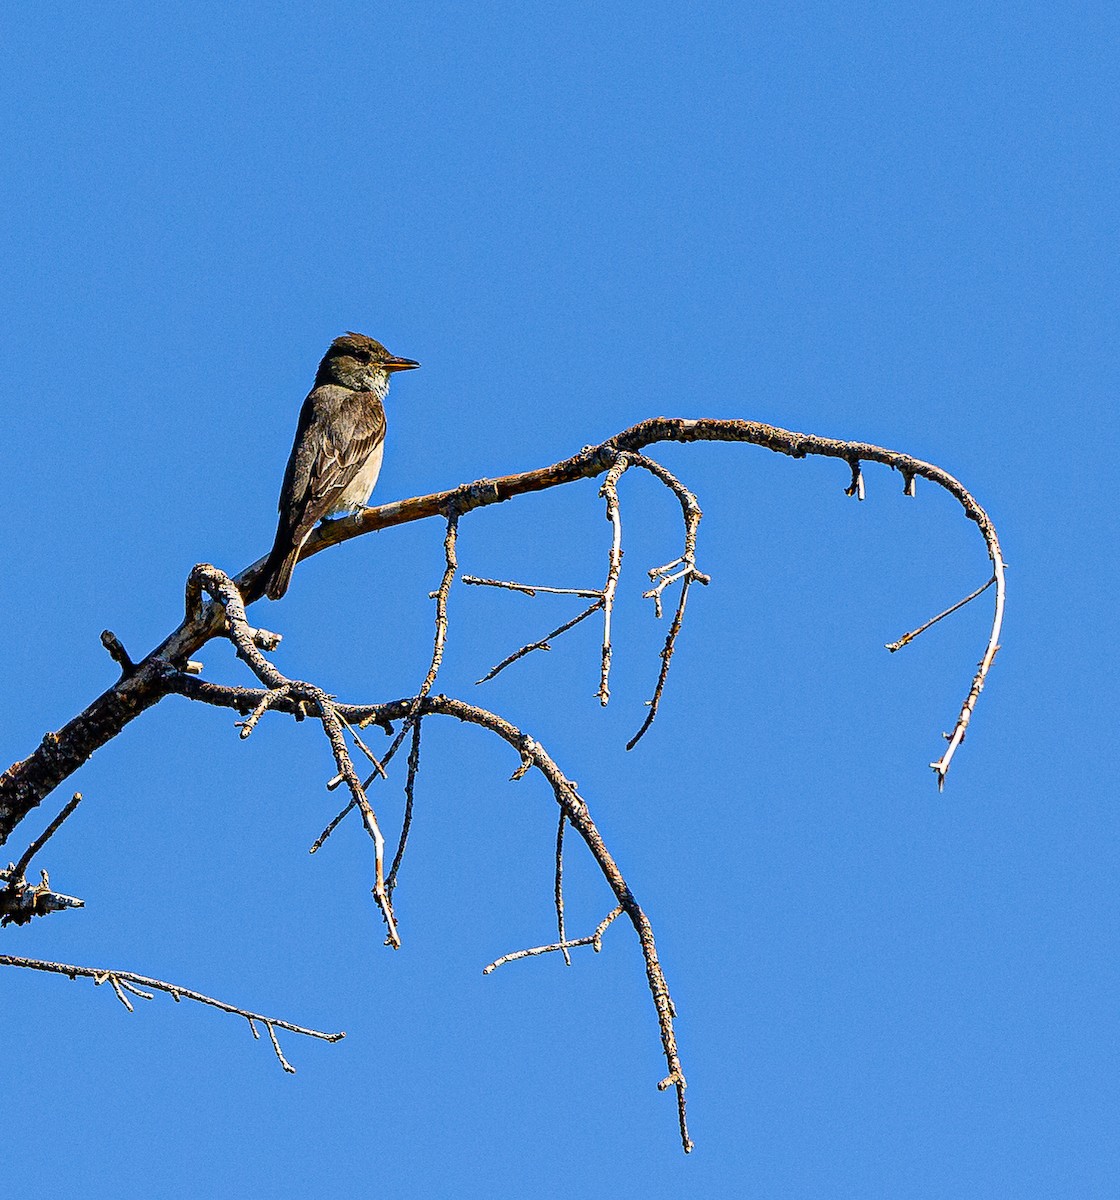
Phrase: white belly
x=358 y=490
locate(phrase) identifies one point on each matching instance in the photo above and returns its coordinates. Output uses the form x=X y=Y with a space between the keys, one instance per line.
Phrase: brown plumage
x=336 y=456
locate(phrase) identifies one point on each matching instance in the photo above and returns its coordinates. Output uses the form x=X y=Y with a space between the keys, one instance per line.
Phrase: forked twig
x=247 y=642
x=663 y=576
x=595 y=940
x=440 y=596
x=532 y=757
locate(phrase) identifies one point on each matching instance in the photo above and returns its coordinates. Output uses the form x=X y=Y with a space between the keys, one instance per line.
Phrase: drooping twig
x=409 y=793
x=218 y=585
x=440 y=596
x=378 y=766
x=663 y=576
x=137 y=985
x=532 y=756
x=559 y=887
x=332 y=726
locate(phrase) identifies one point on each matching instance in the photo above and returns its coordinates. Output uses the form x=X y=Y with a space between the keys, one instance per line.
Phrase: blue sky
x=889 y=223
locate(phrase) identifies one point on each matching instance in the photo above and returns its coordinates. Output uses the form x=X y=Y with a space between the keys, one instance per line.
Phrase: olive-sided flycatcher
x=337 y=453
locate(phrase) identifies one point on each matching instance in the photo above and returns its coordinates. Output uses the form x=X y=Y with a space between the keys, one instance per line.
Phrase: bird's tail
x=278 y=568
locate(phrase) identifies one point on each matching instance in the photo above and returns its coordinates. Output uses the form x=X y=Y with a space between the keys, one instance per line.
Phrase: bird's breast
x=358 y=490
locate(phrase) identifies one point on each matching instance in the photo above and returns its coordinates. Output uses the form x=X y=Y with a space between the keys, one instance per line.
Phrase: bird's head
x=360 y=363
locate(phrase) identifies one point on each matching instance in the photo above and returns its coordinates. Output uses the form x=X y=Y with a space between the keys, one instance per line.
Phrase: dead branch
x=219 y=586
x=544 y=644
x=26 y=783
x=135 y=984
x=215 y=606
x=532 y=757
x=609 y=492
x=595 y=941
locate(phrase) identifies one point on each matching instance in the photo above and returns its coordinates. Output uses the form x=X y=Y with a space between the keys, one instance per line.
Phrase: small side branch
x=409 y=793
x=440 y=597
x=941 y=766
x=37 y=845
x=117 y=652
x=544 y=644
x=283 y=692
x=856 y=488
x=20 y=901
x=530 y=589
x=595 y=941
x=609 y=492
x=681 y=569
x=559 y=887
x=139 y=985
x=907 y=638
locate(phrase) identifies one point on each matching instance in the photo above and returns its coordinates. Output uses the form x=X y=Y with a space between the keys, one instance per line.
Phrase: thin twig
x=409 y=789
x=531 y=589
x=595 y=940
x=909 y=637
x=378 y=767
x=559 y=889
x=20 y=870
x=134 y=983
x=666 y=658
x=276 y=1046
x=332 y=727
x=543 y=644
x=609 y=492
x=687 y=575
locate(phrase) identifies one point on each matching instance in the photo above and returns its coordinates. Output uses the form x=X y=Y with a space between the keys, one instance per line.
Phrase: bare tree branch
x=573 y=807
x=26 y=783
x=121 y=980
x=215 y=606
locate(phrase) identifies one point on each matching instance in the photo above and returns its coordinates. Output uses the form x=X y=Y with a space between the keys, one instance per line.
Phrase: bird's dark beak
x=400 y=364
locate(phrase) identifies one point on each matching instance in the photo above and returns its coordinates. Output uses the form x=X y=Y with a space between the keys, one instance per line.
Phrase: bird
x=336 y=456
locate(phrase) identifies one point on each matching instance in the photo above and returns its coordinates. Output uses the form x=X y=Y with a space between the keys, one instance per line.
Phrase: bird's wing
x=338 y=430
